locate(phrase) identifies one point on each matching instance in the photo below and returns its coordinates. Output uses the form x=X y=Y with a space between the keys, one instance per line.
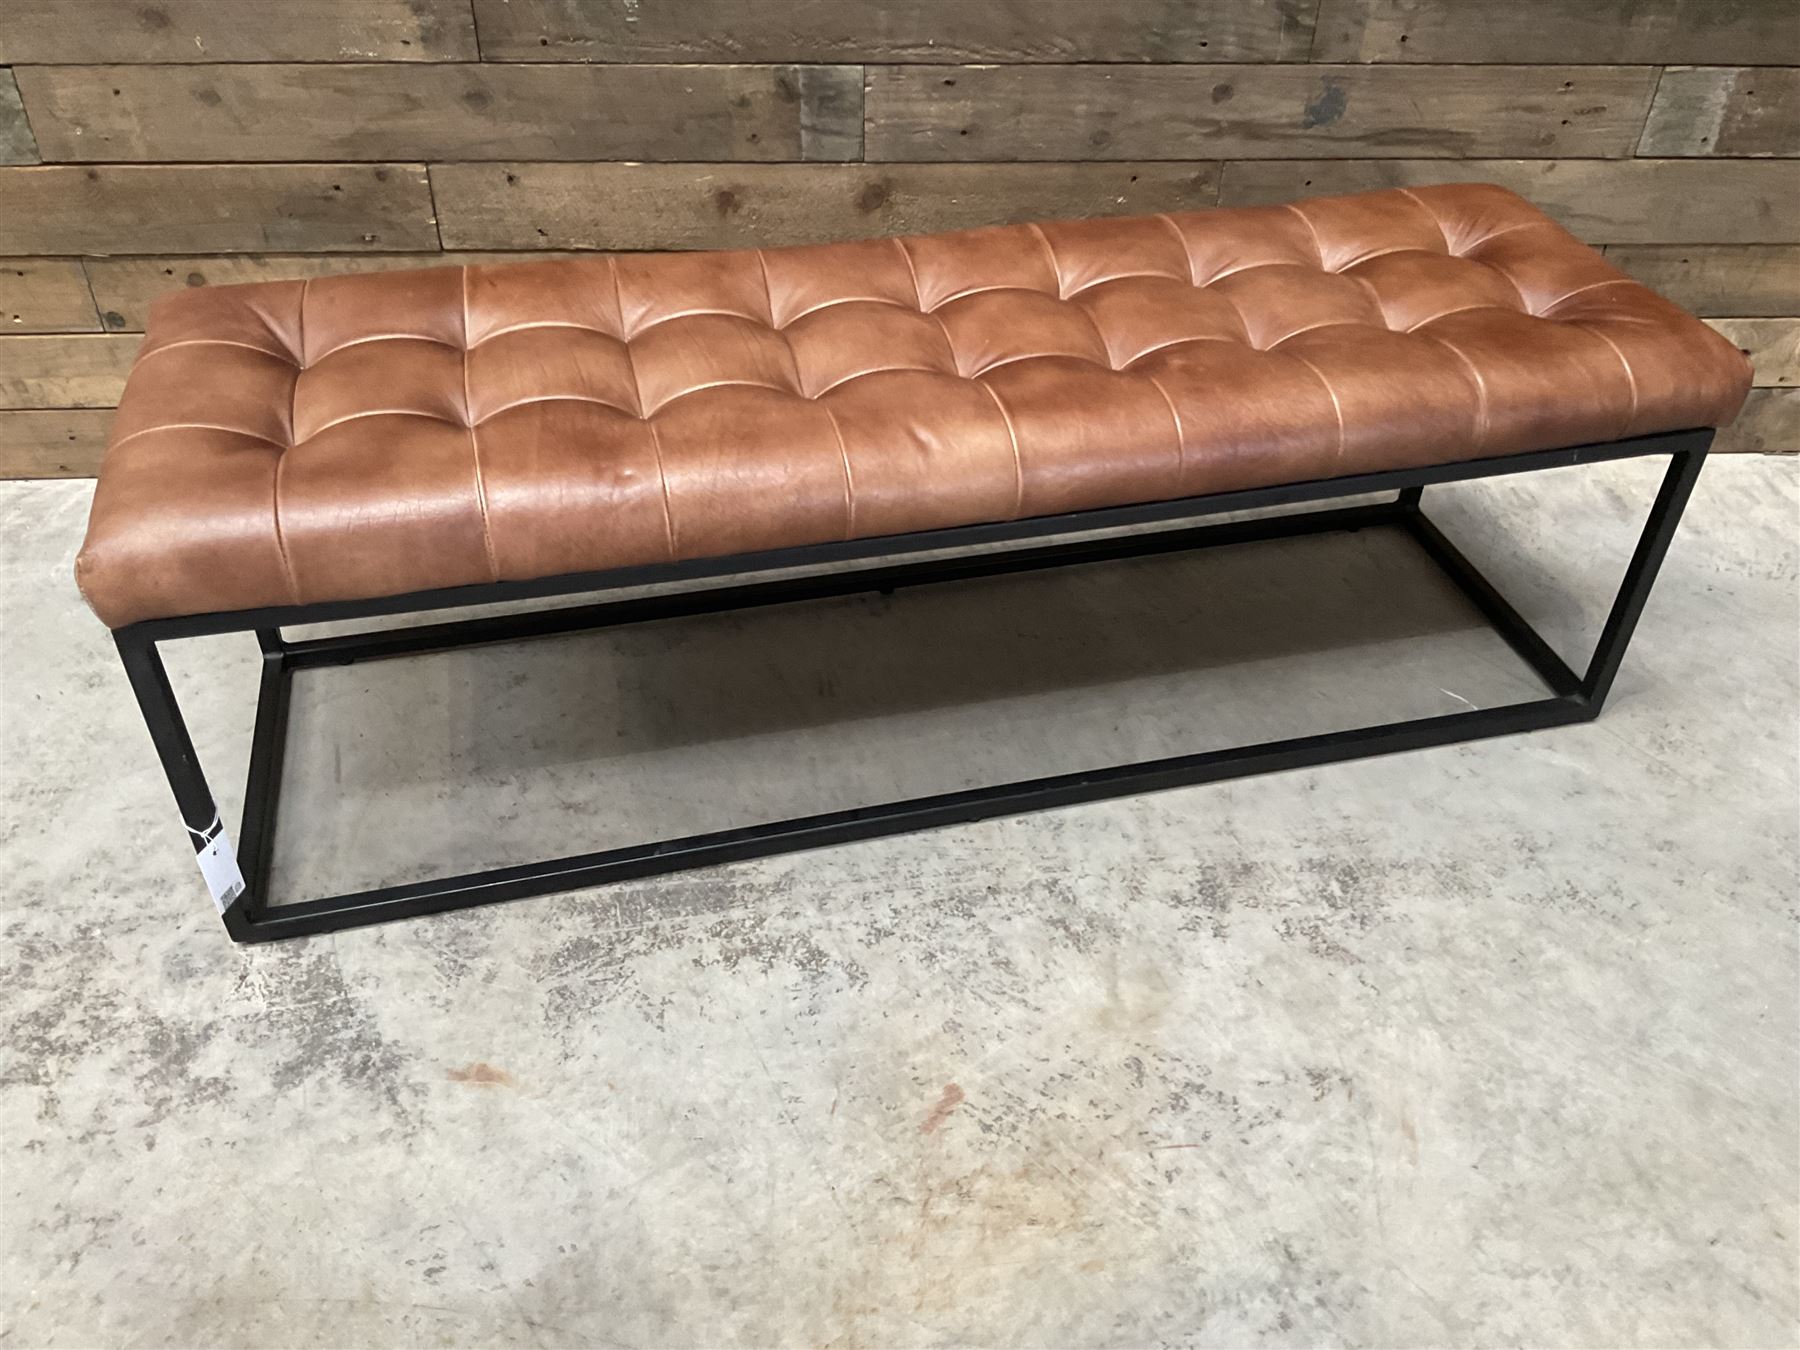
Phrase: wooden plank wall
x=152 y=144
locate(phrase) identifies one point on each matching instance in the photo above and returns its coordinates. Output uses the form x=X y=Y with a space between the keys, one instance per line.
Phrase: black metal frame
x=252 y=918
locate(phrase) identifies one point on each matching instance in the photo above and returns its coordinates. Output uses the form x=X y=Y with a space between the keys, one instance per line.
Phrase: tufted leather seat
x=360 y=436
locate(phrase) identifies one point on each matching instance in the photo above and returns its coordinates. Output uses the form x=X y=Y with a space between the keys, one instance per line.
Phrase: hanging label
x=219 y=865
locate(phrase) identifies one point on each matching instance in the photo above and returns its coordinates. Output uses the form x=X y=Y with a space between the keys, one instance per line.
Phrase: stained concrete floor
x=1493 y=1044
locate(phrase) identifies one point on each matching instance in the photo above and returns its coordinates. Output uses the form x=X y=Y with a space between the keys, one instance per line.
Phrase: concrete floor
x=1493 y=1044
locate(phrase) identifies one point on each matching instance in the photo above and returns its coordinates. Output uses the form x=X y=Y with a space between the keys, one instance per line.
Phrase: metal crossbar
x=254 y=917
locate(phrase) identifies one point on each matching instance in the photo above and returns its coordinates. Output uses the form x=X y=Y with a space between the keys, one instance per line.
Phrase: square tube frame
x=252 y=917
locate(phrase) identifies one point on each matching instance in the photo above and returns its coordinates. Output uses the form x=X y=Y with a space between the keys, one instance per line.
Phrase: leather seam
x=536 y=324
x=285 y=358
x=824 y=305
x=1432 y=216
x=762 y=266
x=1180 y=238
x=849 y=480
x=918 y=291
x=1050 y=253
x=691 y=390
x=1630 y=376
x=637 y=390
x=662 y=478
x=366 y=413
x=557 y=398
x=668 y=319
x=1181 y=342
x=1579 y=290
x=1330 y=393
x=1180 y=433
x=1318 y=248
x=887 y=370
x=1465 y=309
x=1483 y=421
x=1018 y=460
x=380 y=337
x=279 y=447
x=281 y=547
x=481 y=501
x=1504 y=229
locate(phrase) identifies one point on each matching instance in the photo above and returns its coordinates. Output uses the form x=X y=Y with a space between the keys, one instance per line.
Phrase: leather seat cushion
x=352 y=437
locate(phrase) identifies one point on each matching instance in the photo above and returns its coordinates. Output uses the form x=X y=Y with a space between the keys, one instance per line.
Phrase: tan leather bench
x=346 y=440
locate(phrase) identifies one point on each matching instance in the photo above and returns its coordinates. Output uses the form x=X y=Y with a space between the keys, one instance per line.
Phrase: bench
x=359 y=446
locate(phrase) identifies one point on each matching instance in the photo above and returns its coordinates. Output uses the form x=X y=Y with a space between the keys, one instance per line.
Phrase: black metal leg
x=252 y=918
x=169 y=733
x=1640 y=574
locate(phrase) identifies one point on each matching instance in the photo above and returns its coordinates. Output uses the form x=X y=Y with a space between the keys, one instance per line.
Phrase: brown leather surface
x=359 y=436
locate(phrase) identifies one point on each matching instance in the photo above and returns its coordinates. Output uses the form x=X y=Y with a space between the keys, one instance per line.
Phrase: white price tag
x=219 y=865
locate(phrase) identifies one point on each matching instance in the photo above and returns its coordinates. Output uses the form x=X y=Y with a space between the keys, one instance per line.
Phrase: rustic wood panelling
x=648 y=206
x=247 y=208
x=366 y=112
x=53 y=442
x=1713 y=111
x=205 y=142
x=1769 y=424
x=896 y=30
x=83 y=370
x=1213 y=111
x=1603 y=201
x=1773 y=346
x=125 y=287
x=1734 y=279
x=16 y=144
x=45 y=295
x=236 y=30
x=1690 y=32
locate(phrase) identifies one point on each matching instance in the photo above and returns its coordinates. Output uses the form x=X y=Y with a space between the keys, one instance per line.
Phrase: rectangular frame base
x=253 y=917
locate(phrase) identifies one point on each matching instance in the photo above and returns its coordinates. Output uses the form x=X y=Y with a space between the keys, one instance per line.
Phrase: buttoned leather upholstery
x=369 y=435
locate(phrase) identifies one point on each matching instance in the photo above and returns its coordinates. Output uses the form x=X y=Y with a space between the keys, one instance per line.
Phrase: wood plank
x=1689 y=32
x=45 y=295
x=92 y=31
x=1773 y=346
x=16 y=143
x=895 y=30
x=679 y=206
x=1769 y=424
x=249 y=208
x=125 y=287
x=363 y=112
x=86 y=370
x=1227 y=112
x=1736 y=279
x=53 y=443
x=1675 y=201
x=1725 y=111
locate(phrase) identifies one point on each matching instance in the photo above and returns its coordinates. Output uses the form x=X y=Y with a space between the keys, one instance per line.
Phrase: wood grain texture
x=53 y=442
x=1773 y=346
x=650 y=206
x=245 y=208
x=1769 y=424
x=1725 y=111
x=1689 y=32
x=45 y=295
x=1724 y=279
x=83 y=370
x=95 y=31
x=1227 y=112
x=1603 y=201
x=267 y=113
x=16 y=143
x=124 y=288
x=895 y=30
